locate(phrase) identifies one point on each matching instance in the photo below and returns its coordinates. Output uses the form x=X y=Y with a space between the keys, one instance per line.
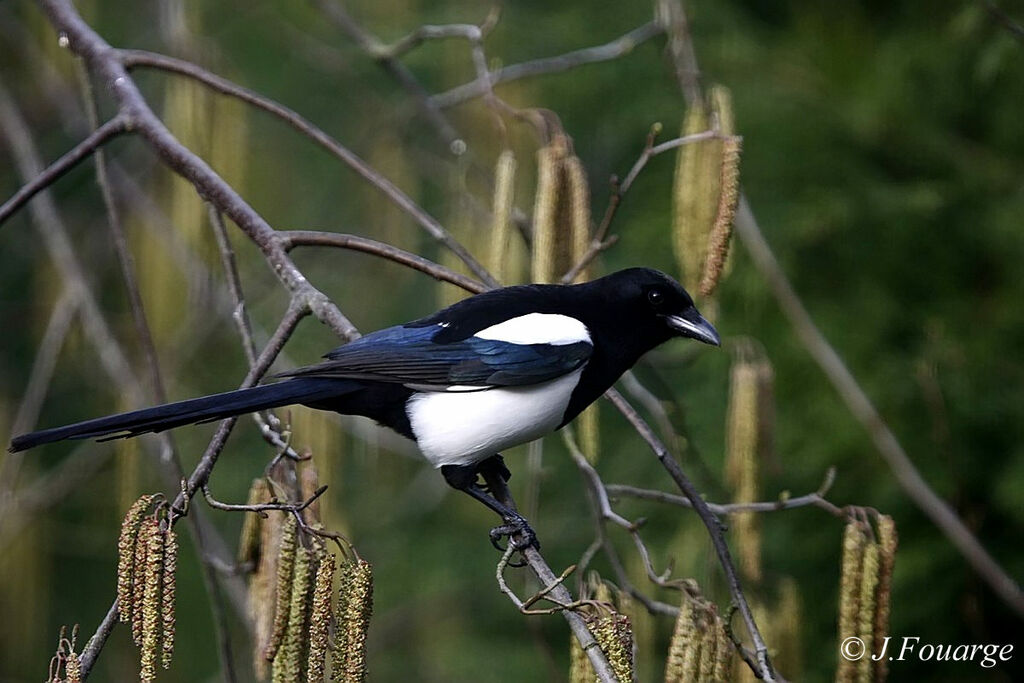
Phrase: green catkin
x=283 y=593
x=694 y=196
x=849 y=595
x=501 y=230
x=723 y=654
x=721 y=231
x=615 y=637
x=249 y=538
x=866 y=618
x=545 y=210
x=320 y=619
x=681 y=644
x=887 y=542
x=151 y=602
x=168 y=597
x=742 y=463
x=126 y=555
x=292 y=655
x=356 y=621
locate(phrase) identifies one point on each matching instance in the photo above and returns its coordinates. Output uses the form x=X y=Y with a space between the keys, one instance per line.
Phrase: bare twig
x=46 y=177
x=296 y=238
x=855 y=398
x=816 y=499
x=622 y=45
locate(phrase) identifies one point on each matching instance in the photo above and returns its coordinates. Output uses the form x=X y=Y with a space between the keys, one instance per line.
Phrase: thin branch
x=137 y=58
x=337 y=14
x=105 y=133
x=1003 y=19
x=296 y=238
x=856 y=399
x=622 y=45
x=816 y=499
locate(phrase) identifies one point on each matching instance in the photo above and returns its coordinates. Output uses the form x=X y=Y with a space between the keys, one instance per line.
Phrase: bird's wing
x=409 y=356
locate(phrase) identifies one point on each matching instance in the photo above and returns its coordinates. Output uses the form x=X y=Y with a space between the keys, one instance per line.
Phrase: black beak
x=694 y=326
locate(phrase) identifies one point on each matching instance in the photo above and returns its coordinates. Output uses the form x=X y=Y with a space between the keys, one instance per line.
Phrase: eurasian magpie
x=490 y=372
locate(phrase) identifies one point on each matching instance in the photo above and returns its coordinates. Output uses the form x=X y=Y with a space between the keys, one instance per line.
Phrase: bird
x=490 y=372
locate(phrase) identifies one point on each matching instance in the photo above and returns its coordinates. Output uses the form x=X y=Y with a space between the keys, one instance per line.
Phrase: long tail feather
x=191 y=411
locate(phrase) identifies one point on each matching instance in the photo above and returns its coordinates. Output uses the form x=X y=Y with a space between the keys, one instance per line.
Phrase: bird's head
x=654 y=305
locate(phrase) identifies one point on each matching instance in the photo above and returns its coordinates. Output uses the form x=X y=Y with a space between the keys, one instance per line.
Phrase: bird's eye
x=656 y=297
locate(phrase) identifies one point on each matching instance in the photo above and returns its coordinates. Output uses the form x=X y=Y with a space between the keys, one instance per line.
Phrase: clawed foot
x=519 y=533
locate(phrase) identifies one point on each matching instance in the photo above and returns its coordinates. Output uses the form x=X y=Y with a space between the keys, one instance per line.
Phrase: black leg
x=464 y=478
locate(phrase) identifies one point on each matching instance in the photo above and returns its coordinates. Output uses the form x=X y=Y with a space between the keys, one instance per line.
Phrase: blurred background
x=883 y=155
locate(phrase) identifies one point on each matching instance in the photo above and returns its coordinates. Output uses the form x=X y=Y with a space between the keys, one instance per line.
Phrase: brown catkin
x=262 y=586
x=283 y=593
x=742 y=463
x=151 y=625
x=887 y=543
x=721 y=230
x=708 y=650
x=358 y=609
x=849 y=594
x=168 y=597
x=501 y=229
x=320 y=619
x=126 y=555
x=866 y=618
x=148 y=527
x=249 y=538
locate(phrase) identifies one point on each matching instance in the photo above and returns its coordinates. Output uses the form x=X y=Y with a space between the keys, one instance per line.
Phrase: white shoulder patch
x=538 y=328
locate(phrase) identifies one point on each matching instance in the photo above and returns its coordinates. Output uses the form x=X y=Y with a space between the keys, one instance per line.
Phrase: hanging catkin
x=854 y=542
x=503 y=262
x=705 y=192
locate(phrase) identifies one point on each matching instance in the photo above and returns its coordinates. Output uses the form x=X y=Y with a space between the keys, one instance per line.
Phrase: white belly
x=461 y=428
